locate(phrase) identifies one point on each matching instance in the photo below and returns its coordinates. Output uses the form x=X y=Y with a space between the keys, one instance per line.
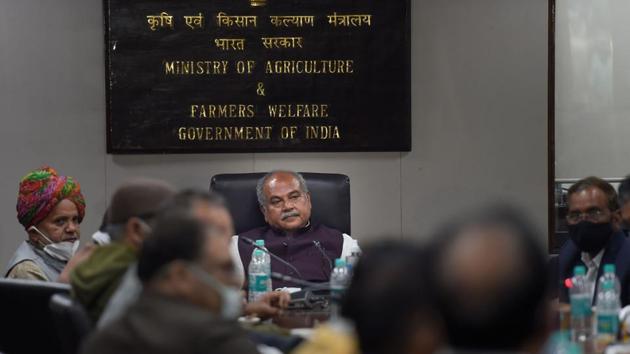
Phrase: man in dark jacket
x=311 y=248
x=190 y=299
x=595 y=238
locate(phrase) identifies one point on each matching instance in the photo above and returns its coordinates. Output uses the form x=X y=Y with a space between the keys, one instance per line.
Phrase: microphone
x=304 y=283
x=313 y=296
x=321 y=250
x=277 y=258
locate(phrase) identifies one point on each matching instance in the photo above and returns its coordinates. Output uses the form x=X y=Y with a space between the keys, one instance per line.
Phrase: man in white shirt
x=309 y=248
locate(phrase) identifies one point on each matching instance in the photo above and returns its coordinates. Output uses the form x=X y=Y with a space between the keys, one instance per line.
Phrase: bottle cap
x=579 y=270
x=260 y=243
x=339 y=262
x=609 y=268
x=258 y=252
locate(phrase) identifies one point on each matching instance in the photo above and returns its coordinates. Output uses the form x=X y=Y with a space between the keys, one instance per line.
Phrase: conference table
x=292 y=319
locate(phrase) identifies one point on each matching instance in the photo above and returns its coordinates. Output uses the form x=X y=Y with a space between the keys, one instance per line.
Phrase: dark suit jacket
x=159 y=324
x=617 y=252
x=298 y=250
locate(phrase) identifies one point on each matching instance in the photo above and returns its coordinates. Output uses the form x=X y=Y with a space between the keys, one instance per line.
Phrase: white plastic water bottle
x=608 y=307
x=339 y=281
x=261 y=244
x=259 y=273
x=580 y=295
x=609 y=275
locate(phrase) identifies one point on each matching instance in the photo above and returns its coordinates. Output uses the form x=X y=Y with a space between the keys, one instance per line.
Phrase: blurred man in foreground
x=210 y=209
x=190 y=299
x=132 y=209
x=490 y=284
x=388 y=308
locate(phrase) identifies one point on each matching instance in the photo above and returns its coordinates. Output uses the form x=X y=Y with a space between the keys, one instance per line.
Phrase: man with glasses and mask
x=132 y=208
x=311 y=248
x=50 y=207
x=190 y=298
x=595 y=238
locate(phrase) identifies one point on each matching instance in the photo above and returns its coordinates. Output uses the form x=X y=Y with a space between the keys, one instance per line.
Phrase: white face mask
x=231 y=299
x=101 y=238
x=61 y=251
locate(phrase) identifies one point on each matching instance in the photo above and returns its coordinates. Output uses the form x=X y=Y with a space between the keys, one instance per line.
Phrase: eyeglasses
x=593 y=215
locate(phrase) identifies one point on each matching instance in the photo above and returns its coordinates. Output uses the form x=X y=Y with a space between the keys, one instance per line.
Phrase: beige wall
x=479 y=89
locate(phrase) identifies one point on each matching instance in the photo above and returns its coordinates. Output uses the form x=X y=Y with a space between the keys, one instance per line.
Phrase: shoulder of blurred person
x=162 y=324
x=83 y=253
x=97 y=278
x=125 y=294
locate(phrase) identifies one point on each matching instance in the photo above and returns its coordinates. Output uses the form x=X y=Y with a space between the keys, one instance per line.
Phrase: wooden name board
x=257 y=75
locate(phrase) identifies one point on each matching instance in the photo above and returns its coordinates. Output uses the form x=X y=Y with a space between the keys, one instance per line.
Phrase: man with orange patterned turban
x=50 y=207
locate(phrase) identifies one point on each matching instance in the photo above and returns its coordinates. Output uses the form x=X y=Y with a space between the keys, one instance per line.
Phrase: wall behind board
x=479 y=90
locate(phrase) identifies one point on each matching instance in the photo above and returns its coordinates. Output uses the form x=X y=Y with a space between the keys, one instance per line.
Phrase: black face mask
x=590 y=237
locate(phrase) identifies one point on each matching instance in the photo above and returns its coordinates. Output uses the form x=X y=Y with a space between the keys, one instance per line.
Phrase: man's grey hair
x=262 y=199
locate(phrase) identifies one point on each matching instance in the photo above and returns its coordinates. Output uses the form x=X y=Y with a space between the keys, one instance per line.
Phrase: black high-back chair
x=330 y=199
x=71 y=322
x=27 y=324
